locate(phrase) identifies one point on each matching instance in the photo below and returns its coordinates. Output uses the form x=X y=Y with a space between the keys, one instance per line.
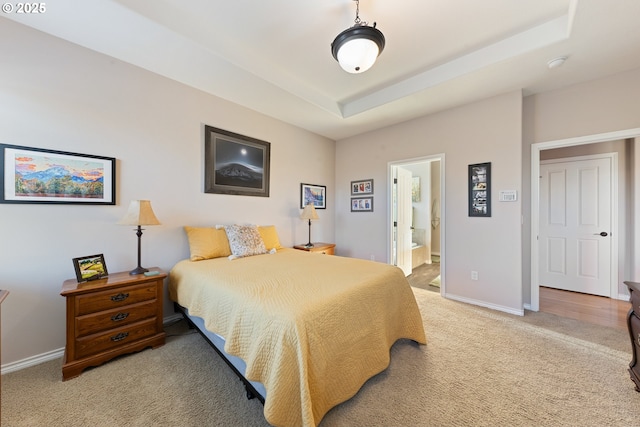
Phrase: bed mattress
x=311 y=328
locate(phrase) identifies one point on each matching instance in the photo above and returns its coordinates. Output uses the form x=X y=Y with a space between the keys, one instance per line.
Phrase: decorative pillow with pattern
x=244 y=240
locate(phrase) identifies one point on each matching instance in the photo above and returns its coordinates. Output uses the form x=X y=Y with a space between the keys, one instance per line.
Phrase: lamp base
x=138 y=270
x=309 y=245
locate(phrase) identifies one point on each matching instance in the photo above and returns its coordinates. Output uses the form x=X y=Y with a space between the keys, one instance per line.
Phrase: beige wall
x=60 y=96
x=605 y=105
x=485 y=131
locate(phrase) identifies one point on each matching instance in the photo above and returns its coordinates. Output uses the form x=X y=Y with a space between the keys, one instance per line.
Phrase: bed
x=305 y=331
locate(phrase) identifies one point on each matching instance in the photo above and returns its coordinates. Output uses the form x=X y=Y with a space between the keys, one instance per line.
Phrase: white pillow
x=244 y=240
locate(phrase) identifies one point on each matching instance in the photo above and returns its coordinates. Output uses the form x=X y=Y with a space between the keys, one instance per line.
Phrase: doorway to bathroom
x=417 y=224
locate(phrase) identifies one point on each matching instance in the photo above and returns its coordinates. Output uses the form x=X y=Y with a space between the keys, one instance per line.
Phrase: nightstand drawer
x=103 y=320
x=114 y=298
x=328 y=251
x=105 y=341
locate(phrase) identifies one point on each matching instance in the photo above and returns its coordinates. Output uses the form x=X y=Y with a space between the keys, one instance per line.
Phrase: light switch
x=508 y=196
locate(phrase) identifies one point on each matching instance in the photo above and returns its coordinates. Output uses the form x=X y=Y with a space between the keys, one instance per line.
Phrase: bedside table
x=319 y=247
x=633 y=324
x=108 y=317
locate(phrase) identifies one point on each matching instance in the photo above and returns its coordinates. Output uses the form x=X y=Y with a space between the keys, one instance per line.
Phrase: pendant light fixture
x=357 y=48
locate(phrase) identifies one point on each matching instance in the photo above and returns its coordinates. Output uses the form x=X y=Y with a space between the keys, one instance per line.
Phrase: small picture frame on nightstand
x=90 y=267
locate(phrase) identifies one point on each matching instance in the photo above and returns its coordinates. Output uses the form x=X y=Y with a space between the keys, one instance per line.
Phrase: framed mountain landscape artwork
x=235 y=164
x=37 y=175
x=315 y=194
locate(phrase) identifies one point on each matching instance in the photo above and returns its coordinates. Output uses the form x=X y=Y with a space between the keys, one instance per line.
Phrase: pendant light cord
x=358 y=21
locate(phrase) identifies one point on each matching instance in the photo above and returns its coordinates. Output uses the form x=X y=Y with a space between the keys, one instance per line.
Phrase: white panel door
x=575 y=225
x=404 y=221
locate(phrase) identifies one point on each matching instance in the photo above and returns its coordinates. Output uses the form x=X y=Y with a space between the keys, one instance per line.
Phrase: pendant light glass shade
x=357 y=48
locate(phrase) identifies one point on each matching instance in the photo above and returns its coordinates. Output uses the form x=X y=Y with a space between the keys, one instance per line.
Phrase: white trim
x=57 y=354
x=502 y=308
x=170 y=319
x=32 y=361
x=443 y=215
x=535 y=193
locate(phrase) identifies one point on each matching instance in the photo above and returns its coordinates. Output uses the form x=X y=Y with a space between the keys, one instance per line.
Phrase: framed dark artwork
x=235 y=164
x=90 y=267
x=480 y=190
x=362 y=204
x=311 y=193
x=37 y=175
x=364 y=186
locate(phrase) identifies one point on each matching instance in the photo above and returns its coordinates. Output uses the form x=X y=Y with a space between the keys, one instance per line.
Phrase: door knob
x=603 y=234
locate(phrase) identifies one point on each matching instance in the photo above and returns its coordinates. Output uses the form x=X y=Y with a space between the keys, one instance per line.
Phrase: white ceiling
x=274 y=56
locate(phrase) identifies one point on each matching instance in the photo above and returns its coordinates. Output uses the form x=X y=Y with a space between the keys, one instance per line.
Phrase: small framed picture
x=362 y=204
x=90 y=267
x=316 y=194
x=364 y=186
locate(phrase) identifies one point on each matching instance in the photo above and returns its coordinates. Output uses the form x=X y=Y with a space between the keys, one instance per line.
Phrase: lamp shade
x=357 y=48
x=139 y=213
x=309 y=212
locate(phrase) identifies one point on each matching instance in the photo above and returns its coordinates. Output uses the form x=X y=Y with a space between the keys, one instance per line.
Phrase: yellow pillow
x=269 y=236
x=207 y=243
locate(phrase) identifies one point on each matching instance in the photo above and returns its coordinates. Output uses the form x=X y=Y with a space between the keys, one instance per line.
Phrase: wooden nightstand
x=319 y=247
x=633 y=323
x=110 y=317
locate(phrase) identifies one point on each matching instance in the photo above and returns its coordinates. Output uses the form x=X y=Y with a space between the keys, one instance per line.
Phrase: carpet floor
x=479 y=367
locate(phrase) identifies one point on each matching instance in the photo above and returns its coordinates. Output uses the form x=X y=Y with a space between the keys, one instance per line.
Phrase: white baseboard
x=484 y=304
x=57 y=354
x=173 y=318
x=32 y=361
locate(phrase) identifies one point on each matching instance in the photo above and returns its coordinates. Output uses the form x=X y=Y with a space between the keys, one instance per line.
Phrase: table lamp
x=309 y=213
x=139 y=214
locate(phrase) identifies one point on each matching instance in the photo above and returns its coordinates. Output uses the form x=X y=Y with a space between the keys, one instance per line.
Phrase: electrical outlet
x=474 y=275
x=372 y=257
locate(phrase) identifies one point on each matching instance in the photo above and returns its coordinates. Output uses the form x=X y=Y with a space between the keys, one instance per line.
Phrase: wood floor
x=589 y=308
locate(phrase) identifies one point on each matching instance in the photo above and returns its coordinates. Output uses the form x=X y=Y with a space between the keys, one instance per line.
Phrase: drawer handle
x=120 y=336
x=120 y=316
x=120 y=297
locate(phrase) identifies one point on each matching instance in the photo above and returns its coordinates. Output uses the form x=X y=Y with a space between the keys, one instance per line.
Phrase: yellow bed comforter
x=311 y=328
